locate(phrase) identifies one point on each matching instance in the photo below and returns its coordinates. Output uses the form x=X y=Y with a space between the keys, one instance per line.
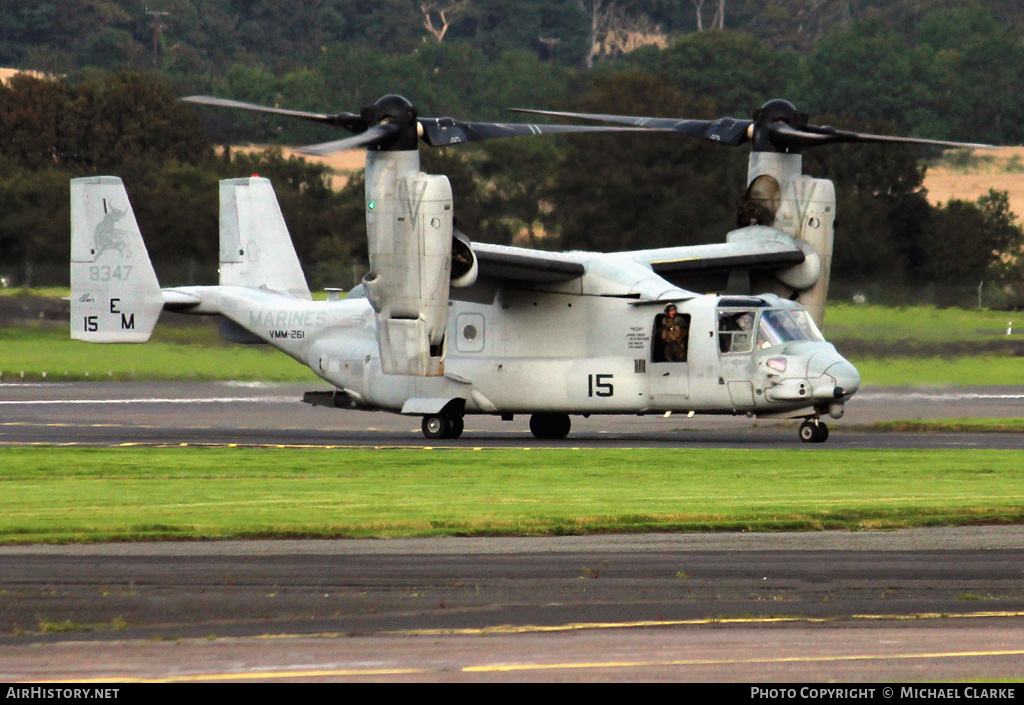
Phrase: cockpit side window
x=736 y=331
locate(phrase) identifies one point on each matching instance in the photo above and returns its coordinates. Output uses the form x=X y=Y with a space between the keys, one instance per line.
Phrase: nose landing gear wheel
x=813 y=432
x=550 y=426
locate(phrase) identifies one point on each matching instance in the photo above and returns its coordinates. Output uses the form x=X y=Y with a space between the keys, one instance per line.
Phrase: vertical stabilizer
x=115 y=296
x=255 y=247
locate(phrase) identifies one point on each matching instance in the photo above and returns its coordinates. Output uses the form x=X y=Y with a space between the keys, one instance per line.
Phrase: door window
x=736 y=331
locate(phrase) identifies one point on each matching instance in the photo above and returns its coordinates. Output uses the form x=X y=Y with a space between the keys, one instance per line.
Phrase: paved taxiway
x=220 y=413
x=942 y=604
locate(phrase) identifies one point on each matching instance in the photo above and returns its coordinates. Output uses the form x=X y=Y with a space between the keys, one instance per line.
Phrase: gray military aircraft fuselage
x=550 y=354
x=583 y=346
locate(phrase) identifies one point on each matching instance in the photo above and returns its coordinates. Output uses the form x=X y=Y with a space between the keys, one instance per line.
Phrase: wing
x=587 y=273
x=707 y=268
x=642 y=273
x=528 y=266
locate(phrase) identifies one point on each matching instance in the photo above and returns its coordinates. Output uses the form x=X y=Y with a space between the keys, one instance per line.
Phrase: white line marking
x=195 y=400
x=936 y=396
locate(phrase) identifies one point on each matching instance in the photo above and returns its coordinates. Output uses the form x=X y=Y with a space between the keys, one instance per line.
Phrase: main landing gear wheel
x=442 y=426
x=813 y=432
x=550 y=426
x=458 y=424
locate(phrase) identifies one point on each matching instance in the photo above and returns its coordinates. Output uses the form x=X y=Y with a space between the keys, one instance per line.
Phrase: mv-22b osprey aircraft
x=442 y=327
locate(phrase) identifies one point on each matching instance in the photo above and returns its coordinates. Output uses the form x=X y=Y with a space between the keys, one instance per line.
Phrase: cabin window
x=470 y=331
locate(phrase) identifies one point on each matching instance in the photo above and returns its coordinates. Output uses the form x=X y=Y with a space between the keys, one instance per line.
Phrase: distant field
x=916 y=345
x=173 y=354
x=76 y=495
x=965 y=175
x=915 y=372
x=873 y=323
x=1010 y=425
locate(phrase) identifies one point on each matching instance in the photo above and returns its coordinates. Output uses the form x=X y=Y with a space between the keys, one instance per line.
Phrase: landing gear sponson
x=557 y=426
x=543 y=426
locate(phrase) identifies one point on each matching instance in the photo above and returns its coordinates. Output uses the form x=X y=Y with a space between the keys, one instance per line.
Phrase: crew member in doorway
x=674 y=334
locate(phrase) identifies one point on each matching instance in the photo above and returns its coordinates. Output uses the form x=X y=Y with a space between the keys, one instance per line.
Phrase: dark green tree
x=976 y=63
x=733 y=70
x=125 y=119
x=964 y=239
x=621 y=192
x=495 y=27
x=881 y=209
x=871 y=71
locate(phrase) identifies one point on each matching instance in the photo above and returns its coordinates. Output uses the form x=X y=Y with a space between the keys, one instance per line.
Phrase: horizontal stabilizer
x=115 y=296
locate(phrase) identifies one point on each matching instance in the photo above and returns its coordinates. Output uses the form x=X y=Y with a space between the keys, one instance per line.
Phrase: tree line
x=208 y=35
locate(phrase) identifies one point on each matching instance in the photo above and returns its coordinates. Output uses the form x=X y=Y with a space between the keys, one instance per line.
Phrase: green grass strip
x=922 y=323
x=68 y=495
x=1011 y=425
x=173 y=354
x=186 y=353
x=938 y=371
x=190 y=351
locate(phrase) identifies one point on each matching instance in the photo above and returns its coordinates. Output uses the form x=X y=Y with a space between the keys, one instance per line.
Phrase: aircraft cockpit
x=749 y=324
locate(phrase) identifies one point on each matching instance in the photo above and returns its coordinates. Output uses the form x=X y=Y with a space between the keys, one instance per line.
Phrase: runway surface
x=932 y=604
x=942 y=604
x=107 y=414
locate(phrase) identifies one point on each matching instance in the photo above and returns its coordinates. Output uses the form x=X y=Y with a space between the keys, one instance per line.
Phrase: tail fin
x=115 y=296
x=255 y=247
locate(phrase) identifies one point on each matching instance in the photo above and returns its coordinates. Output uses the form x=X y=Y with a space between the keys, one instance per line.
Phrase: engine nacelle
x=779 y=195
x=464 y=264
x=409 y=226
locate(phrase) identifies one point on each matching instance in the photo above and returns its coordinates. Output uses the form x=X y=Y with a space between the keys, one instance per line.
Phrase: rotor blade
x=786 y=137
x=730 y=131
x=349 y=121
x=376 y=135
x=440 y=132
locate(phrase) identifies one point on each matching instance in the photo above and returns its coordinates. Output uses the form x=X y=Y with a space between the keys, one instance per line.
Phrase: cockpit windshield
x=778 y=326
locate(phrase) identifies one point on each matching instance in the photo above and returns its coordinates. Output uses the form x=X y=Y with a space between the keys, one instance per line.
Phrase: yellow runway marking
x=247 y=675
x=728 y=662
x=536 y=629
x=512 y=629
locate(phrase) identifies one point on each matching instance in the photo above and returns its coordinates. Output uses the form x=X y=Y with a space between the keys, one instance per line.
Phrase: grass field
x=871 y=323
x=173 y=354
x=937 y=371
x=890 y=346
x=67 y=495
x=965 y=425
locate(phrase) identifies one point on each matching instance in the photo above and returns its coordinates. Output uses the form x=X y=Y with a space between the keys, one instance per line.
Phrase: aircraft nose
x=846 y=376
